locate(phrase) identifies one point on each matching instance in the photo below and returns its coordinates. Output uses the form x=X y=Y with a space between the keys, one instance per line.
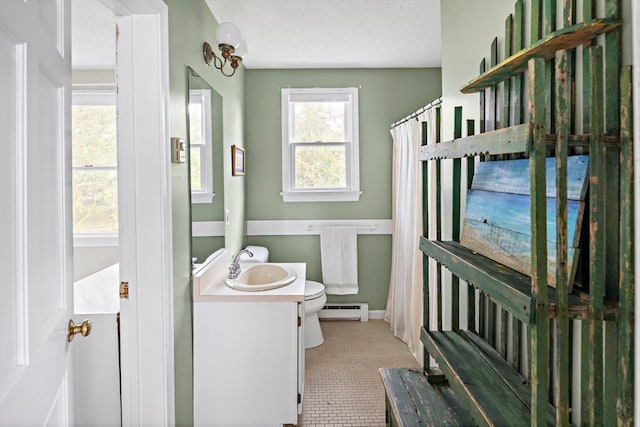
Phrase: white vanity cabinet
x=248 y=354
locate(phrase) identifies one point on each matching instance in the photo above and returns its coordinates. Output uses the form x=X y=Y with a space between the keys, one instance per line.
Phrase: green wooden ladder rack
x=512 y=362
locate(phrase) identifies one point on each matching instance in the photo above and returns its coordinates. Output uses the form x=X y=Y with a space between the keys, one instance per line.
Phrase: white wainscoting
x=207 y=229
x=313 y=226
x=292 y=227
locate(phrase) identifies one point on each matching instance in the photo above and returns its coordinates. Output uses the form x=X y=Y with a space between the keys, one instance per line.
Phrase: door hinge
x=299 y=398
x=299 y=321
x=124 y=290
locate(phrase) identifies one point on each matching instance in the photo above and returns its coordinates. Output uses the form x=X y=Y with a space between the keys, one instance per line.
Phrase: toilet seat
x=313 y=290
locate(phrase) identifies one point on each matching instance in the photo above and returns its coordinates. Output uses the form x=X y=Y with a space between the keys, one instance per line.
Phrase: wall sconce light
x=232 y=47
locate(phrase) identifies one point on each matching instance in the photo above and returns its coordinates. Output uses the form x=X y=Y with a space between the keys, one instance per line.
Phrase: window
x=95 y=167
x=320 y=145
x=200 y=141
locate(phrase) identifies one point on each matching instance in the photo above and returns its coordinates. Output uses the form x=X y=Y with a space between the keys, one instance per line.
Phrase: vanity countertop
x=208 y=284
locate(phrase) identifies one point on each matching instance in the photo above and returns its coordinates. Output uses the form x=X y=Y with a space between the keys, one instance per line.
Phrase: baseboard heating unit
x=347 y=310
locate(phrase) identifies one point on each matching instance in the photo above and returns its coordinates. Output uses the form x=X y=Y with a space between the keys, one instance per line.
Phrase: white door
x=35 y=225
x=144 y=204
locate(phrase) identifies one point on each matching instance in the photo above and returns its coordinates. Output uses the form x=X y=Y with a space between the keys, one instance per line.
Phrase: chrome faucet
x=234 y=268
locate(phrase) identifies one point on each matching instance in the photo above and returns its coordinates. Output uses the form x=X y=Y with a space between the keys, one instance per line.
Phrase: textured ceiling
x=295 y=33
x=93 y=39
x=335 y=33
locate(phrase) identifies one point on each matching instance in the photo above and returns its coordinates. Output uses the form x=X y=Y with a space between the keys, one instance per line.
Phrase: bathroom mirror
x=204 y=137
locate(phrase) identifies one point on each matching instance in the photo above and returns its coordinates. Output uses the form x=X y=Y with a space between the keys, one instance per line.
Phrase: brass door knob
x=83 y=329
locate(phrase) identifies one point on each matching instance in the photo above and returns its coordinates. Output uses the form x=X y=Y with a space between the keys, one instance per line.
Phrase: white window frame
x=352 y=191
x=205 y=194
x=95 y=97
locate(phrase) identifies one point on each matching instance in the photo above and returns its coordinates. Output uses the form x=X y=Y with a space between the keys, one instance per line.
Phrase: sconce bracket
x=208 y=53
x=227 y=53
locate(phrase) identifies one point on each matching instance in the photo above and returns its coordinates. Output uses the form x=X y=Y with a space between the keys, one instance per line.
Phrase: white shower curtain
x=405 y=299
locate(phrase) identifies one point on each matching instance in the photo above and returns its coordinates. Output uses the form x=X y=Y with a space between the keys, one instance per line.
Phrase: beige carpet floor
x=342 y=382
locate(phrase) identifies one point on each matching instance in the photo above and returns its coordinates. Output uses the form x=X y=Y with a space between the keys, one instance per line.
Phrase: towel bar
x=309 y=227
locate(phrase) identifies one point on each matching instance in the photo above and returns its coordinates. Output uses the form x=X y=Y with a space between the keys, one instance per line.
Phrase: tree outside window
x=320 y=144
x=94 y=162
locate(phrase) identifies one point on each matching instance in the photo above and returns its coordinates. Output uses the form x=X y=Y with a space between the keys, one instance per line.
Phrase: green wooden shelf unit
x=541 y=260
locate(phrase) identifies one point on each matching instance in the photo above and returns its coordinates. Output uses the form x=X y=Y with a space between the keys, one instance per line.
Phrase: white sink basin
x=262 y=277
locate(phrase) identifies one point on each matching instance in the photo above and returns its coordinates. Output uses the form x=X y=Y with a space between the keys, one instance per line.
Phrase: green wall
x=385 y=95
x=190 y=24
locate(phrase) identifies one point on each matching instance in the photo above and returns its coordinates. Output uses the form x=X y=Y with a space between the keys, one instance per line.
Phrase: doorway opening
x=95 y=212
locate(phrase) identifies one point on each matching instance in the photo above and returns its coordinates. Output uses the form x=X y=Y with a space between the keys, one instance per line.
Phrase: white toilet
x=314 y=299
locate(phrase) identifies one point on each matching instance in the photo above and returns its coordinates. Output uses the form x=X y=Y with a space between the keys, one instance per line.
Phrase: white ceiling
x=335 y=33
x=93 y=39
x=295 y=33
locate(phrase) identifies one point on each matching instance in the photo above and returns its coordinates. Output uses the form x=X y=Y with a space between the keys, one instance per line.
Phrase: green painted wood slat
x=612 y=87
x=612 y=66
x=548 y=27
x=471 y=292
x=492 y=96
x=625 y=392
x=594 y=348
x=503 y=121
x=492 y=390
x=562 y=122
x=490 y=124
x=425 y=232
x=518 y=79
x=413 y=401
x=540 y=329
x=565 y=38
x=438 y=218
x=508 y=287
x=515 y=139
x=506 y=87
x=512 y=377
x=455 y=217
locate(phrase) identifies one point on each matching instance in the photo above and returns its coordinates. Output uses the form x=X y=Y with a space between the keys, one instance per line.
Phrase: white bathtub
x=98 y=293
x=97 y=379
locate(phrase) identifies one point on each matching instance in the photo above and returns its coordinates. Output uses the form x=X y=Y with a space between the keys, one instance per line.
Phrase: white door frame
x=146 y=258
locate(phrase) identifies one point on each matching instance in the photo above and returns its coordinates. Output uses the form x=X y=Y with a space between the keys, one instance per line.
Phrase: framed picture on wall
x=237 y=160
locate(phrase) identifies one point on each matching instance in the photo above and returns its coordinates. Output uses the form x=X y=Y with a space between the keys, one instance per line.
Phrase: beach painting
x=497 y=222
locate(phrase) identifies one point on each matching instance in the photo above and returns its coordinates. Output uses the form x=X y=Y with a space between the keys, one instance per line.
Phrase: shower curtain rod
x=430 y=105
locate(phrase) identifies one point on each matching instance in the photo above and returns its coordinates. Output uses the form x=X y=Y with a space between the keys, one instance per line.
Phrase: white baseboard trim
x=345 y=310
x=356 y=311
x=376 y=314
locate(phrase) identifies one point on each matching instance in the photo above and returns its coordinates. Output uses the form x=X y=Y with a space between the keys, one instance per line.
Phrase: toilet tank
x=260 y=254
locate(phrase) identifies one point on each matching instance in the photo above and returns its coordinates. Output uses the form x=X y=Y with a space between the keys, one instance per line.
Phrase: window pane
x=320 y=166
x=95 y=201
x=196 y=170
x=319 y=121
x=94 y=135
x=195 y=122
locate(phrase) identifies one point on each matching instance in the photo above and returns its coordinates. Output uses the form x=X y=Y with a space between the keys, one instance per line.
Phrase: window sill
x=203 y=197
x=321 y=196
x=95 y=240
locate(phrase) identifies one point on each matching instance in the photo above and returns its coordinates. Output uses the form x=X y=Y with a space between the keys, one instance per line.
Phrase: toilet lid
x=313 y=289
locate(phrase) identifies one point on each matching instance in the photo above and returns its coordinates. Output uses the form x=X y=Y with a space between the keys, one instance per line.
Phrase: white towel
x=339 y=252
